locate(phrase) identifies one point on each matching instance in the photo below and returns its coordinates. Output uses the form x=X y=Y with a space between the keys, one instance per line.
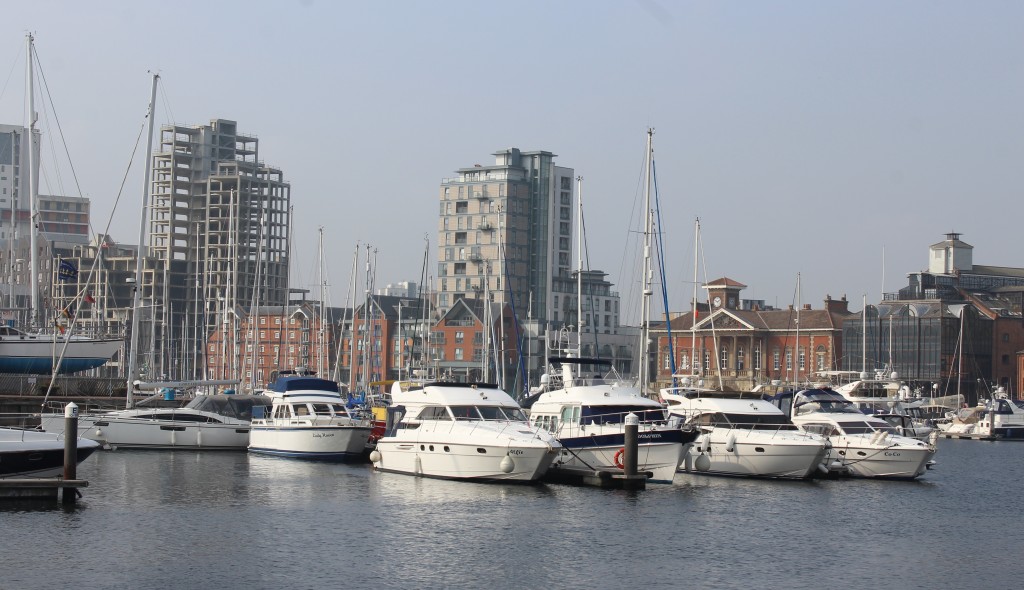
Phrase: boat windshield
x=826 y=406
x=503 y=413
x=617 y=414
x=746 y=421
x=857 y=427
x=232 y=406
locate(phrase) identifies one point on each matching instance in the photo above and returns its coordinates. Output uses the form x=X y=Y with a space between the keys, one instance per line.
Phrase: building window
x=460 y=337
x=789 y=359
x=820 y=358
x=775 y=359
x=739 y=358
x=803 y=359
x=684 y=361
x=757 y=358
x=458 y=354
x=723 y=358
x=707 y=361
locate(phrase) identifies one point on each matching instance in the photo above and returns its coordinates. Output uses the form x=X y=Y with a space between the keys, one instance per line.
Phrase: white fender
x=704 y=444
x=730 y=443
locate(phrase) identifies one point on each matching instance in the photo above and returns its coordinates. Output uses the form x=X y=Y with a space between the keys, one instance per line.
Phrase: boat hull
x=449 y=460
x=323 y=443
x=25 y=453
x=35 y=354
x=878 y=461
x=141 y=433
x=756 y=454
x=658 y=451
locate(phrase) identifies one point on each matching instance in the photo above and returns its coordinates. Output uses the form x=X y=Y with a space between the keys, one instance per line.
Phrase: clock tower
x=724 y=293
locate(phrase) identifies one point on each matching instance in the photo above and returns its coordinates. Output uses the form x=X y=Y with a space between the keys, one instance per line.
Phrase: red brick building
x=740 y=348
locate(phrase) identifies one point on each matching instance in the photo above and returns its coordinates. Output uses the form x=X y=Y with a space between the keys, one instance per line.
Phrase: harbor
x=220 y=518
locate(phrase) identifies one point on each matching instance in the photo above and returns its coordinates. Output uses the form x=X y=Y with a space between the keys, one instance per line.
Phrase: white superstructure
x=465 y=431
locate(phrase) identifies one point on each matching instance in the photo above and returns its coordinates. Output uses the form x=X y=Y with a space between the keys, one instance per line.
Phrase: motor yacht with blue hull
x=207 y=422
x=308 y=419
x=862 y=445
x=743 y=435
x=461 y=431
x=586 y=414
x=31 y=453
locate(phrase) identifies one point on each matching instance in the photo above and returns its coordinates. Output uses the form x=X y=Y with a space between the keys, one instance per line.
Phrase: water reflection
x=230 y=519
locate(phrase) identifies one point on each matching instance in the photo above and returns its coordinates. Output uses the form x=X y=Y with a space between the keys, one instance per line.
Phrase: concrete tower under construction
x=219 y=220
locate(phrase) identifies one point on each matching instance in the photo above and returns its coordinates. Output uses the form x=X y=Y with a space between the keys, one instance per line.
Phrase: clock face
x=717 y=301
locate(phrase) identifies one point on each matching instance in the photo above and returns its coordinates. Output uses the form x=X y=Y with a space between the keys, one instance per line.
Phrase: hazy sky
x=809 y=137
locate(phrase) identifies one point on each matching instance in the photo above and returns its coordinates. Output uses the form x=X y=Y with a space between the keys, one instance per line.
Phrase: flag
x=58 y=326
x=68 y=311
x=66 y=271
x=88 y=298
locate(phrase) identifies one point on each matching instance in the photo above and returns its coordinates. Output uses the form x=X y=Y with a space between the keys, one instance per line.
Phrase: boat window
x=465 y=412
x=617 y=414
x=822 y=429
x=301 y=409
x=281 y=413
x=866 y=427
x=339 y=410
x=514 y=414
x=434 y=413
x=756 y=421
x=491 y=413
x=322 y=409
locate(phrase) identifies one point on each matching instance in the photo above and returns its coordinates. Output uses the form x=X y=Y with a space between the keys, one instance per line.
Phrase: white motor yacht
x=211 y=422
x=999 y=417
x=463 y=431
x=587 y=416
x=743 y=436
x=308 y=419
x=864 y=445
x=31 y=453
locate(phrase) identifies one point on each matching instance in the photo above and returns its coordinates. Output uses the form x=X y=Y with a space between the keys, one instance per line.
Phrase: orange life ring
x=618 y=458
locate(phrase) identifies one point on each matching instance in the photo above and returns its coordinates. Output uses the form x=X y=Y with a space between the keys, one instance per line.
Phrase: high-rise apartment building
x=510 y=223
x=219 y=219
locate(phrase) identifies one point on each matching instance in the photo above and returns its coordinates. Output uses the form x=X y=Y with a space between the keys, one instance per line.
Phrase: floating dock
x=34 y=488
x=601 y=478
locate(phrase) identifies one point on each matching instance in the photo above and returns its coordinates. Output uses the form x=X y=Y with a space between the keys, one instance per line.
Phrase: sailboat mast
x=693 y=331
x=864 y=338
x=579 y=267
x=32 y=182
x=645 y=306
x=323 y=295
x=354 y=280
x=799 y=304
x=133 y=351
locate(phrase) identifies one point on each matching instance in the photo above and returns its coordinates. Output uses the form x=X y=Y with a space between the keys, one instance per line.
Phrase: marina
x=205 y=516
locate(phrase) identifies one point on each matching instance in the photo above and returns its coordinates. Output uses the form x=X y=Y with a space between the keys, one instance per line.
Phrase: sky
x=830 y=141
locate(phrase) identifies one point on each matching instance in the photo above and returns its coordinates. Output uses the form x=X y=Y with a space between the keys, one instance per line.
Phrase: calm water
x=225 y=520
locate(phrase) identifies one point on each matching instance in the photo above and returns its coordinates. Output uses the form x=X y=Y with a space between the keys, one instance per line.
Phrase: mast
x=693 y=331
x=323 y=294
x=864 y=339
x=32 y=183
x=645 y=306
x=133 y=352
x=799 y=304
x=354 y=280
x=579 y=267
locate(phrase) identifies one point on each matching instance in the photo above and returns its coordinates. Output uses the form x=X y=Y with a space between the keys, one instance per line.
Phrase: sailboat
x=57 y=351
